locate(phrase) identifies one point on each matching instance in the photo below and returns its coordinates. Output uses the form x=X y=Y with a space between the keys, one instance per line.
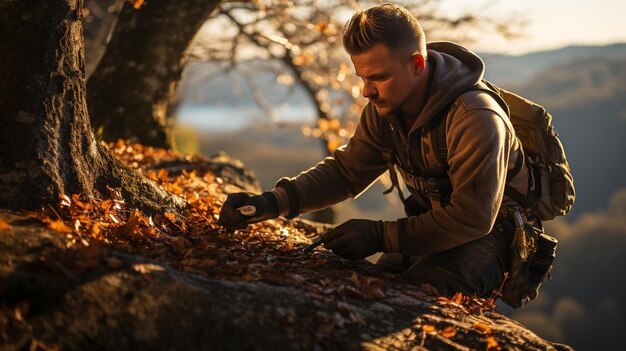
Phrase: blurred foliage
x=185 y=140
x=304 y=36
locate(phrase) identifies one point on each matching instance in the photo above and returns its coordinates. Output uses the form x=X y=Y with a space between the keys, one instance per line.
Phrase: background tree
x=299 y=42
x=99 y=19
x=130 y=89
x=48 y=148
x=135 y=80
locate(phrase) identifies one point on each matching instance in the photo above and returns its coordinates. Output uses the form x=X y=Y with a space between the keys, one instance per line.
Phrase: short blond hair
x=388 y=24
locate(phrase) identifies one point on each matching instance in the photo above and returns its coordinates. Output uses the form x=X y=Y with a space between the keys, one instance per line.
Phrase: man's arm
x=351 y=169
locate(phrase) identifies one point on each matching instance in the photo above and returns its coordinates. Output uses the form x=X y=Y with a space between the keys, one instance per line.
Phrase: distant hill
x=587 y=99
x=210 y=84
x=506 y=69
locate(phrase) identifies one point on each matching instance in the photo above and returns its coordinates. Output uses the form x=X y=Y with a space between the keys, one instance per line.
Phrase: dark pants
x=474 y=268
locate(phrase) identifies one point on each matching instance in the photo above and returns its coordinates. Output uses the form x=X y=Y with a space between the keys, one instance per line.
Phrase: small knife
x=316 y=242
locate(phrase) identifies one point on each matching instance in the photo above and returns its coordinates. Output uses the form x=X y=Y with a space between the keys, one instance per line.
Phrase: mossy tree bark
x=129 y=90
x=48 y=147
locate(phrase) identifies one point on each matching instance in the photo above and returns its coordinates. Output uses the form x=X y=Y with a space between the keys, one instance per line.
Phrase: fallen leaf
x=482 y=327
x=448 y=332
x=428 y=328
x=457 y=298
x=170 y=216
x=127 y=229
x=4 y=225
x=113 y=218
x=21 y=310
x=492 y=344
x=65 y=201
x=58 y=225
x=145 y=268
x=137 y=4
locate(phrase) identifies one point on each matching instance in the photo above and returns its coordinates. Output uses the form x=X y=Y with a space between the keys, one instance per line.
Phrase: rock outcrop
x=190 y=289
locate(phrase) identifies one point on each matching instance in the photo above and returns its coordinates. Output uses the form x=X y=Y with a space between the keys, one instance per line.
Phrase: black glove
x=237 y=213
x=355 y=239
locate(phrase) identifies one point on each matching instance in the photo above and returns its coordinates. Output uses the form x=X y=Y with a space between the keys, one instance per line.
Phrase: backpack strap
x=389 y=154
x=438 y=139
x=436 y=181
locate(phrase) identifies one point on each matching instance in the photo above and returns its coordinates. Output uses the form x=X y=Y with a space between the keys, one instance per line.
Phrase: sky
x=550 y=23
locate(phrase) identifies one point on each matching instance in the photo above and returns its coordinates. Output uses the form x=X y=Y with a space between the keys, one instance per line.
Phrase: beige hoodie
x=481 y=148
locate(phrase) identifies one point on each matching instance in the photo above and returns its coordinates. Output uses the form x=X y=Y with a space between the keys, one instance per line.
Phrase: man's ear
x=418 y=63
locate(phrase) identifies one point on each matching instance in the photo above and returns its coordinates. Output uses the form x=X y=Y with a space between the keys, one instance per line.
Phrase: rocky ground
x=93 y=274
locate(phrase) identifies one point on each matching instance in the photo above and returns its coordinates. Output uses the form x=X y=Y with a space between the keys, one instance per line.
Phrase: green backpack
x=551 y=192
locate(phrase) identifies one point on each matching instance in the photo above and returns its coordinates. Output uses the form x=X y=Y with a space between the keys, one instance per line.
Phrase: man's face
x=388 y=80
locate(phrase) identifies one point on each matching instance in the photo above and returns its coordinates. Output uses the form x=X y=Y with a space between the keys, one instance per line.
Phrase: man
x=456 y=244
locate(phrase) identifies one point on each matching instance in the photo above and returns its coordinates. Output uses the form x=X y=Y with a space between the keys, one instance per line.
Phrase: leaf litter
x=269 y=252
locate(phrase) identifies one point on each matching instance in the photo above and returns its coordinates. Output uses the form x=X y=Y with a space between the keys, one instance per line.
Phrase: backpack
x=551 y=189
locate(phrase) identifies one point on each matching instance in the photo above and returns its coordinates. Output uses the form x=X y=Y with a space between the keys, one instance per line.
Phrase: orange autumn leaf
x=449 y=332
x=162 y=174
x=58 y=225
x=170 y=216
x=428 y=328
x=457 y=298
x=482 y=327
x=492 y=344
x=4 y=225
x=127 y=229
x=137 y=4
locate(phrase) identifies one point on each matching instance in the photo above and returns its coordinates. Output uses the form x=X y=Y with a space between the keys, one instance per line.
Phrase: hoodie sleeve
x=479 y=146
x=351 y=169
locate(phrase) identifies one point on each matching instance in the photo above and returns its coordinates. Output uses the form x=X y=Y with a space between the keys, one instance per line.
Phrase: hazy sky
x=551 y=23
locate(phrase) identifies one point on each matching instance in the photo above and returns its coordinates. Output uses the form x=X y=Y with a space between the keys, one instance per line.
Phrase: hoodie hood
x=454 y=70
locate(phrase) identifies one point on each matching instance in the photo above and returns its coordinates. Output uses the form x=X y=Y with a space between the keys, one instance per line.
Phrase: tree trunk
x=48 y=147
x=130 y=89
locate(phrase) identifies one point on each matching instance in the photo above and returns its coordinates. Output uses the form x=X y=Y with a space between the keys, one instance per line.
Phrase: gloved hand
x=355 y=239
x=232 y=218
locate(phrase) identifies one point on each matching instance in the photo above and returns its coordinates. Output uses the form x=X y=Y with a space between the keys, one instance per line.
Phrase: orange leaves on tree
x=304 y=59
